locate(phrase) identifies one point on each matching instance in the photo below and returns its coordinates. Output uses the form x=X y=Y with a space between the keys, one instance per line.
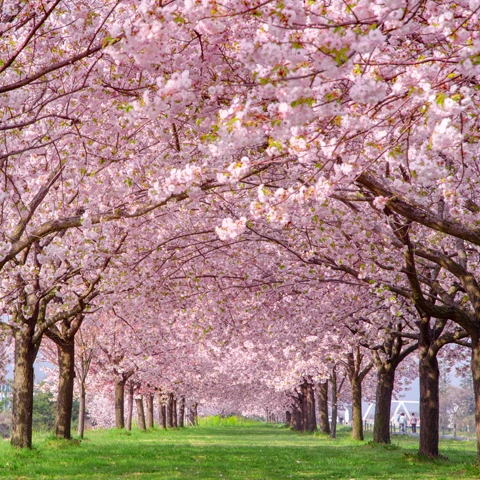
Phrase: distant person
x=402 y=420
x=413 y=423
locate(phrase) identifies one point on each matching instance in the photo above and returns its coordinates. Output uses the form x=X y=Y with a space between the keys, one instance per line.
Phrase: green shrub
x=230 y=421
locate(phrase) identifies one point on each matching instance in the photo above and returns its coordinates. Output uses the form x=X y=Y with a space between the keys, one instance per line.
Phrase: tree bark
x=164 y=416
x=181 y=413
x=288 y=418
x=356 y=376
x=324 y=424
x=128 y=425
x=82 y=411
x=140 y=413
x=475 y=365
x=170 y=411
x=429 y=391
x=333 y=381
x=357 y=421
x=120 y=402
x=162 y=412
x=174 y=413
x=194 y=414
x=22 y=402
x=66 y=368
x=150 y=422
x=297 y=417
x=383 y=403
x=310 y=414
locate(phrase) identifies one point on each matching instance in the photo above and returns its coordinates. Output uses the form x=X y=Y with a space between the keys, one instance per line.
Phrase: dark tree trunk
x=303 y=416
x=174 y=413
x=383 y=403
x=150 y=423
x=333 y=381
x=429 y=405
x=288 y=418
x=22 y=405
x=170 y=411
x=66 y=367
x=140 y=413
x=357 y=421
x=297 y=417
x=324 y=424
x=429 y=392
x=475 y=364
x=120 y=402
x=310 y=414
x=128 y=425
x=82 y=411
x=164 y=416
x=181 y=413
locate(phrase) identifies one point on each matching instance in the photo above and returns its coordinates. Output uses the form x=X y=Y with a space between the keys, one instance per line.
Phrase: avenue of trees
x=259 y=206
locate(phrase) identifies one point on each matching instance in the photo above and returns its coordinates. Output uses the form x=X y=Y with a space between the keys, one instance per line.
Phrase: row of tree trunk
x=171 y=411
x=302 y=414
x=303 y=417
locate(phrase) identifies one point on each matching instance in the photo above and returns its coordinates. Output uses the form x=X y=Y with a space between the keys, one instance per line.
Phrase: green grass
x=246 y=450
x=231 y=421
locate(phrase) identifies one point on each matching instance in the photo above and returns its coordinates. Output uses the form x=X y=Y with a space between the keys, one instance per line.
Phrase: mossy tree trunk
x=82 y=410
x=66 y=369
x=323 y=423
x=356 y=375
x=22 y=402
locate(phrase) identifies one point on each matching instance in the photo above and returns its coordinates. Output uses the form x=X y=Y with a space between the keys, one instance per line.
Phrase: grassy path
x=230 y=452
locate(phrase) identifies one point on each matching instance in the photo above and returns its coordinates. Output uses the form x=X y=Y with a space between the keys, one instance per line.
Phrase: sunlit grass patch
x=245 y=450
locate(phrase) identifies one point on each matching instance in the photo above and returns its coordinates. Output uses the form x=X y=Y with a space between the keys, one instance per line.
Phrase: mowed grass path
x=255 y=451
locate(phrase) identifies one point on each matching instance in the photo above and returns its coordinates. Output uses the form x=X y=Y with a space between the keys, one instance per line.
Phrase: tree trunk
x=297 y=417
x=383 y=403
x=128 y=426
x=194 y=414
x=356 y=375
x=174 y=413
x=333 y=381
x=288 y=418
x=140 y=413
x=475 y=364
x=120 y=402
x=22 y=404
x=170 y=411
x=324 y=424
x=429 y=392
x=164 y=416
x=66 y=368
x=150 y=423
x=357 y=421
x=82 y=411
x=181 y=413
x=162 y=412
x=310 y=416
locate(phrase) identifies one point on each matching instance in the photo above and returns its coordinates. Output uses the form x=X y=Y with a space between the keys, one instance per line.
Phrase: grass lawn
x=249 y=451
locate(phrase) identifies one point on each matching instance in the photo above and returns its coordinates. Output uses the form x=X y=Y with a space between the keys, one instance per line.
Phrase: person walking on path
x=413 y=423
x=402 y=420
